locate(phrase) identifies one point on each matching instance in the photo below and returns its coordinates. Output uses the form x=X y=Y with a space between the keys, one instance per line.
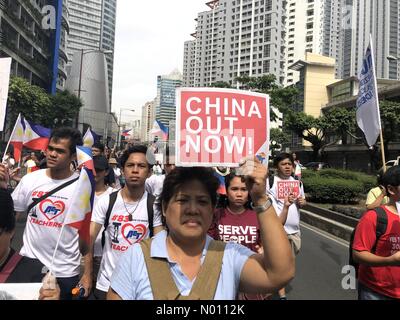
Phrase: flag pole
x=383 y=152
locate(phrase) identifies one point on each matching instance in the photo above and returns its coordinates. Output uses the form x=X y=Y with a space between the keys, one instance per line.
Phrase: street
x=318 y=268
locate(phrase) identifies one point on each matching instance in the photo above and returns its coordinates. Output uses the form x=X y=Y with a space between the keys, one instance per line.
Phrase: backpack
x=113 y=199
x=381 y=225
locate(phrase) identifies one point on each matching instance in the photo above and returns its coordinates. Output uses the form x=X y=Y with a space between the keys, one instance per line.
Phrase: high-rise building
x=107 y=40
x=165 y=100
x=381 y=18
x=35 y=44
x=85 y=25
x=92 y=24
x=148 y=117
x=236 y=38
x=311 y=26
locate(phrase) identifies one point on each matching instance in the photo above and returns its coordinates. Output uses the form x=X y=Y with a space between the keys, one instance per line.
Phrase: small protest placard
x=285 y=188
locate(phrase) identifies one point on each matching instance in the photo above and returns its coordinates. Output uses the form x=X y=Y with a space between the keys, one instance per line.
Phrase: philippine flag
x=90 y=138
x=36 y=137
x=80 y=211
x=221 y=189
x=126 y=133
x=159 y=130
x=84 y=158
x=17 y=138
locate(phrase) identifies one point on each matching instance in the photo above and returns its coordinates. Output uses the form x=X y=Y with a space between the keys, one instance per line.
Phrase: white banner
x=5 y=68
x=368 y=115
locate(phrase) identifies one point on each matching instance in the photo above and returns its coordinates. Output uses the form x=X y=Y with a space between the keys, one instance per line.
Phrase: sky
x=150 y=38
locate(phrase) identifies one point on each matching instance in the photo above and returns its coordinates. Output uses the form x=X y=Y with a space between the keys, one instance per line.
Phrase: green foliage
x=332 y=190
x=32 y=101
x=281 y=98
x=341 y=192
x=221 y=84
x=39 y=107
x=65 y=107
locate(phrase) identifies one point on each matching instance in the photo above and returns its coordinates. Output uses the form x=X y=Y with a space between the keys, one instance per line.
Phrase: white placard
x=5 y=69
x=19 y=291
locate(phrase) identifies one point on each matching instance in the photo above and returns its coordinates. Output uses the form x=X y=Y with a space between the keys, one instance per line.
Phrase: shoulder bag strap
x=113 y=199
x=162 y=284
x=150 y=213
x=9 y=267
x=206 y=282
x=50 y=193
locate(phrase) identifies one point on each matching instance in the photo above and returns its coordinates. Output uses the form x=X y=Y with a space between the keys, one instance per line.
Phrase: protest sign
x=219 y=127
x=285 y=188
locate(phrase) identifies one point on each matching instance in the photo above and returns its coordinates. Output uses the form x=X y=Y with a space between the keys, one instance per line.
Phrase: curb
x=338 y=229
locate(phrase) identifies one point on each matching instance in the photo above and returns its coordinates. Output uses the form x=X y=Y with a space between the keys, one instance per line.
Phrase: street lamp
x=392 y=58
x=120 y=122
x=83 y=52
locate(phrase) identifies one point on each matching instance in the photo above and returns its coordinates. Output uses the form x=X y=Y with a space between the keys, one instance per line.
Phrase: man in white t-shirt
x=154 y=184
x=285 y=186
x=128 y=222
x=45 y=219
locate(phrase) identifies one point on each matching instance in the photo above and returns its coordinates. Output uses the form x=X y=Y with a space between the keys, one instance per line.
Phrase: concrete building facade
x=165 y=102
x=148 y=117
x=236 y=38
x=311 y=26
x=381 y=18
x=36 y=45
x=92 y=25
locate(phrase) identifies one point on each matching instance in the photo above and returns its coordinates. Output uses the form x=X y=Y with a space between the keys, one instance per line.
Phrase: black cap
x=100 y=163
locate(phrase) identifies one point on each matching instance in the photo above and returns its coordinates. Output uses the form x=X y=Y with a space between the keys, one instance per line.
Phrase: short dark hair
x=223 y=201
x=282 y=156
x=73 y=135
x=99 y=146
x=7 y=216
x=391 y=177
x=179 y=176
x=138 y=148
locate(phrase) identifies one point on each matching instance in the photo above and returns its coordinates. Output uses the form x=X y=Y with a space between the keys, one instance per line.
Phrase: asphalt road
x=319 y=268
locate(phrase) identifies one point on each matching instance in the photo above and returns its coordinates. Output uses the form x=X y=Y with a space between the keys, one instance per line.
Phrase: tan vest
x=205 y=285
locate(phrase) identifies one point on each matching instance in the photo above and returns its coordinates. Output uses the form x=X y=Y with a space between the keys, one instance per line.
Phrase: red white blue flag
x=80 y=211
x=36 y=137
x=90 y=138
x=84 y=158
x=126 y=133
x=159 y=130
x=17 y=138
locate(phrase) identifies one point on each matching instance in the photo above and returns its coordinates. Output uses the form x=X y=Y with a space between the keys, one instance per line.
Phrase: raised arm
x=275 y=268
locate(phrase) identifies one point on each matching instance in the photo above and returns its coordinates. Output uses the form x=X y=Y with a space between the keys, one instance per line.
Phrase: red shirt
x=240 y=228
x=384 y=280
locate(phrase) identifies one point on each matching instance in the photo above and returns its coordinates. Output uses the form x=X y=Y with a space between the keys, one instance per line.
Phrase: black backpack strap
x=381 y=224
x=150 y=212
x=50 y=193
x=271 y=181
x=113 y=199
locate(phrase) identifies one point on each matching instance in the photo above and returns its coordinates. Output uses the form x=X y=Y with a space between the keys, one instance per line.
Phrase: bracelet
x=262 y=208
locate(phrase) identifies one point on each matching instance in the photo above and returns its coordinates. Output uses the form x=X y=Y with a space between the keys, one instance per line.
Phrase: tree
x=65 y=108
x=390 y=118
x=278 y=138
x=39 y=107
x=29 y=100
x=281 y=98
x=221 y=84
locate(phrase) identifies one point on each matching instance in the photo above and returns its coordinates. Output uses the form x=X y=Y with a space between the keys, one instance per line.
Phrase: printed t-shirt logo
x=133 y=233
x=51 y=209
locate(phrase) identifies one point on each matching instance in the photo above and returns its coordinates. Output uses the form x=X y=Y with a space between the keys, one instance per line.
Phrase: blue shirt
x=131 y=282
